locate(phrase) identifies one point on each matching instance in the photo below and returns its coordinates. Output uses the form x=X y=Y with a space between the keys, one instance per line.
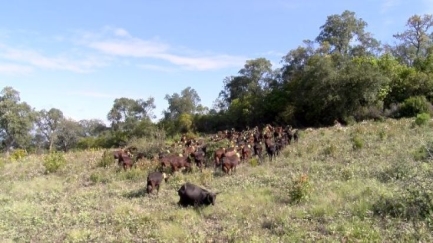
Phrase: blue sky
x=78 y=56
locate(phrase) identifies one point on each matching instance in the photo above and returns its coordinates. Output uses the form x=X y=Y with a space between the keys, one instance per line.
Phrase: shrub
x=330 y=150
x=53 y=162
x=106 y=159
x=399 y=170
x=422 y=119
x=149 y=147
x=254 y=162
x=412 y=203
x=98 y=177
x=300 y=189
x=18 y=154
x=357 y=142
x=424 y=153
x=415 y=105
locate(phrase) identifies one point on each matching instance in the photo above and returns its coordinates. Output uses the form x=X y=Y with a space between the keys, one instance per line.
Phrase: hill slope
x=366 y=182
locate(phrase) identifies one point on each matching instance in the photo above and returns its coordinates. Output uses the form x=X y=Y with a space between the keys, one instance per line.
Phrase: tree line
x=344 y=74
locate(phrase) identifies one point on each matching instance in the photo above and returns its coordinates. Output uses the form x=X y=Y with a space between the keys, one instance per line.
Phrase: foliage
x=107 y=159
x=53 y=162
x=415 y=105
x=300 y=189
x=16 y=119
x=149 y=147
x=422 y=119
x=357 y=142
x=414 y=202
x=48 y=124
x=18 y=154
x=424 y=153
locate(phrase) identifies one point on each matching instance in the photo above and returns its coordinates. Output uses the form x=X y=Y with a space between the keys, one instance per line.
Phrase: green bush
x=357 y=142
x=98 y=177
x=149 y=147
x=414 y=202
x=18 y=154
x=300 y=189
x=415 y=105
x=106 y=159
x=422 y=119
x=254 y=162
x=424 y=153
x=53 y=162
x=399 y=170
x=330 y=150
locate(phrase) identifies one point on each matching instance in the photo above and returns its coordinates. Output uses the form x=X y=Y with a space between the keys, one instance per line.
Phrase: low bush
x=53 y=162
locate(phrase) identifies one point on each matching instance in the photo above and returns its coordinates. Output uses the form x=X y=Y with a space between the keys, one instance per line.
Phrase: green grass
x=354 y=178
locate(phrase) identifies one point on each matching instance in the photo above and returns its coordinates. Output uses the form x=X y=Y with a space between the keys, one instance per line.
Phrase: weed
x=98 y=177
x=422 y=119
x=330 y=150
x=106 y=159
x=53 y=162
x=382 y=134
x=18 y=154
x=357 y=142
x=300 y=189
x=254 y=162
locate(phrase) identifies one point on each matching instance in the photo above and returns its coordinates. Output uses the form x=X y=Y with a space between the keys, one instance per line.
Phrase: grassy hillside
x=370 y=182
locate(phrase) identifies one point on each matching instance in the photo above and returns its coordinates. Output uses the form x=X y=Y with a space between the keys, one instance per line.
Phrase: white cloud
x=157 y=68
x=14 y=69
x=118 y=42
x=109 y=45
x=39 y=60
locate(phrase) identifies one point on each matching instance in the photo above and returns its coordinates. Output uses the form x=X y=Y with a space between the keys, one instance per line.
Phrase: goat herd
x=243 y=145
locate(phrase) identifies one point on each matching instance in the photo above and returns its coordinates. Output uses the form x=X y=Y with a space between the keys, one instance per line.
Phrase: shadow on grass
x=136 y=193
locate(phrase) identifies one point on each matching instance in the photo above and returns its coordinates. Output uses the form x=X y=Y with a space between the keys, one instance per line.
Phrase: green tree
x=16 y=119
x=346 y=35
x=48 y=124
x=415 y=41
x=127 y=113
x=68 y=135
x=244 y=95
x=187 y=102
x=92 y=127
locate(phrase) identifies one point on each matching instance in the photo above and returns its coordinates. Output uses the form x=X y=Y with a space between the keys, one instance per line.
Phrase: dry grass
x=332 y=186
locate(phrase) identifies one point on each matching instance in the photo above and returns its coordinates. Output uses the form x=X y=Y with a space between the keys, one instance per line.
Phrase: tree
x=187 y=102
x=92 y=127
x=255 y=78
x=48 y=123
x=69 y=133
x=127 y=112
x=415 y=41
x=16 y=119
x=244 y=95
x=346 y=35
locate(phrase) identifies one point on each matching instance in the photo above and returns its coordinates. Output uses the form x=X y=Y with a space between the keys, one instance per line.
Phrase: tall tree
x=48 y=124
x=16 y=119
x=346 y=35
x=255 y=78
x=92 y=127
x=69 y=132
x=415 y=41
x=187 y=102
x=126 y=112
x=244 y=94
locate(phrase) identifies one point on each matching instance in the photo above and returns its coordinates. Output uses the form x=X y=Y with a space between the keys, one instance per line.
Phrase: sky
x=79 y=56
